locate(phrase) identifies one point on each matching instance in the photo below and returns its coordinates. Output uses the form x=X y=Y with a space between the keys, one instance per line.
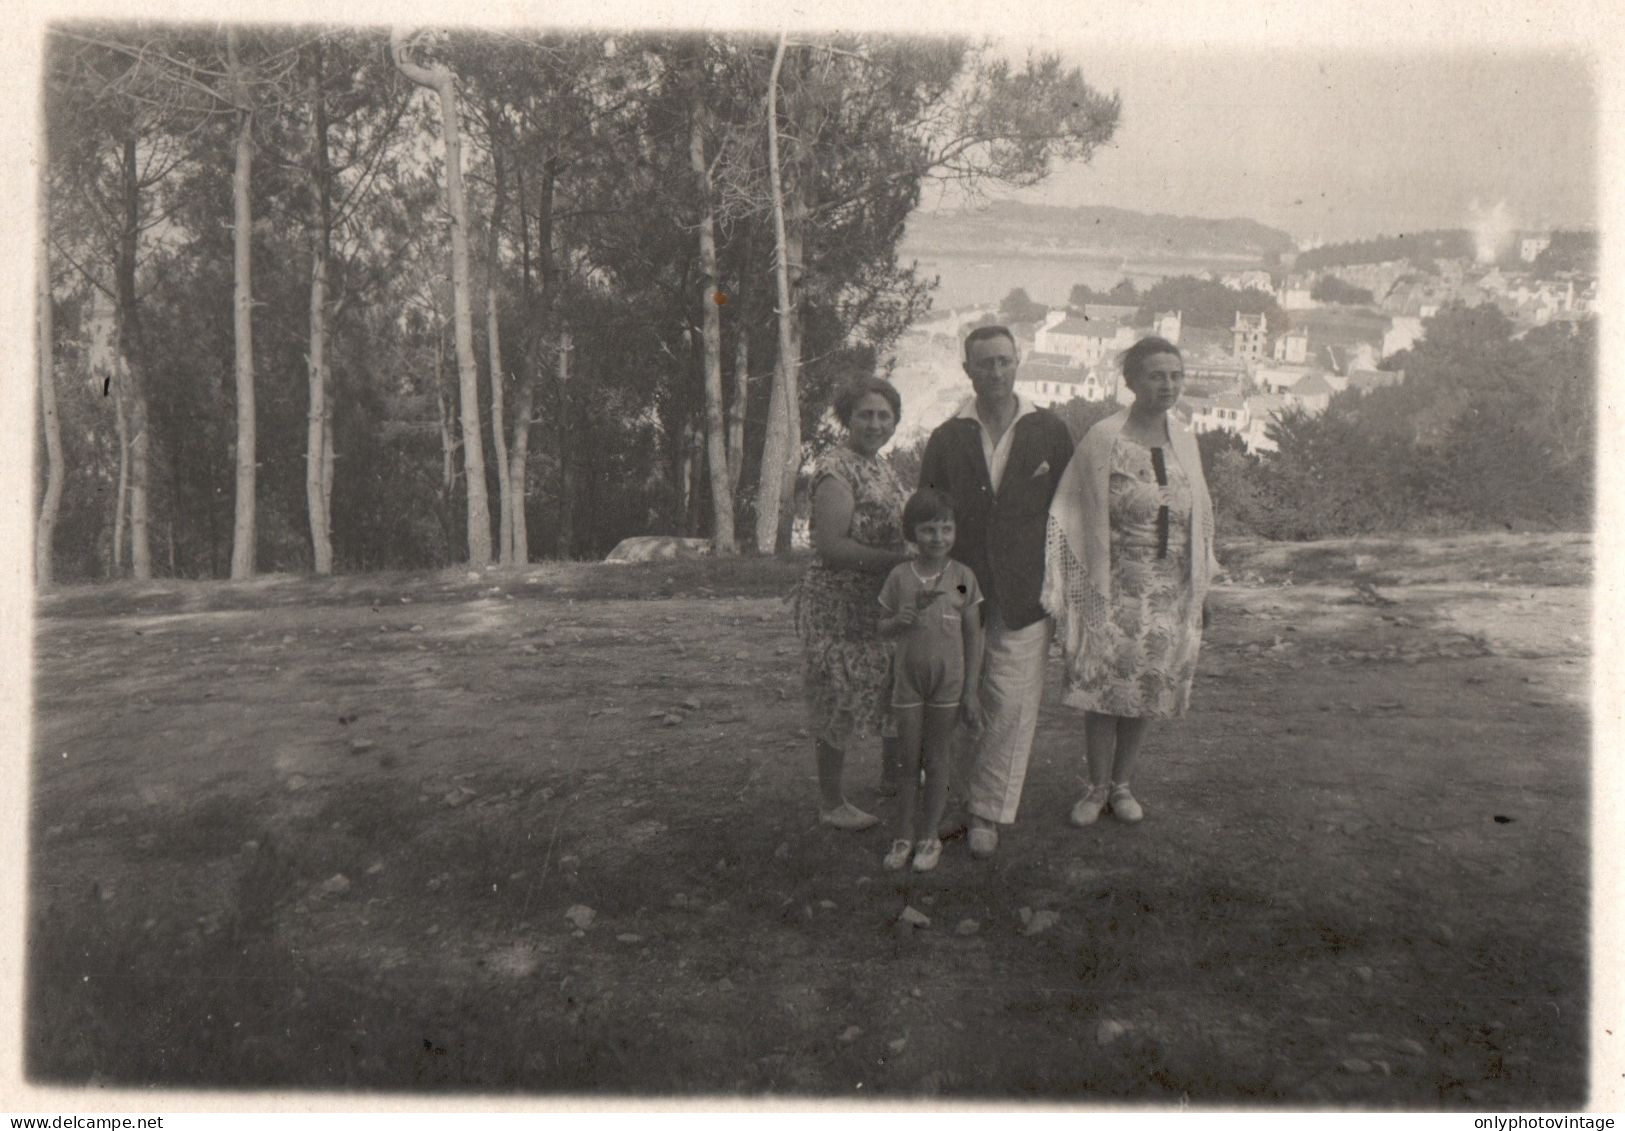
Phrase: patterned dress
x=1143 y=664
x=837 y=614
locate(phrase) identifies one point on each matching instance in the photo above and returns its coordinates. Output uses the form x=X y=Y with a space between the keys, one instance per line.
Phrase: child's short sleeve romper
x=929 y=665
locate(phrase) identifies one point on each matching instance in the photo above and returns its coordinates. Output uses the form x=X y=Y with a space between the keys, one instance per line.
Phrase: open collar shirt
x=997 y=455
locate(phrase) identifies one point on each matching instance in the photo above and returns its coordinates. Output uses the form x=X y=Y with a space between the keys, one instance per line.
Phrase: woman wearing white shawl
x=1128 y=560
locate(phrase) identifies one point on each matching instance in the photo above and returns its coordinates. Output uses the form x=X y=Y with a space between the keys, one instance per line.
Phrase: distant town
x=1314 y=323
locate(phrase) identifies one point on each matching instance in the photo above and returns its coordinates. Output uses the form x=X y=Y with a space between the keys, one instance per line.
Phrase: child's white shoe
x=926 y=854
x=897 y=857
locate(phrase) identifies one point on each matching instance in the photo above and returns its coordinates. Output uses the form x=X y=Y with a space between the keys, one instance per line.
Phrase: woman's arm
x=833 y=505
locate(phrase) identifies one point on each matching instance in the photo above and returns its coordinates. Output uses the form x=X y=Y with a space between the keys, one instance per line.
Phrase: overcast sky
x=1341 y=144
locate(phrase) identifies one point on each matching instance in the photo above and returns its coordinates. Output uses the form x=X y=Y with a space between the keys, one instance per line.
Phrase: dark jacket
x=1001 y=538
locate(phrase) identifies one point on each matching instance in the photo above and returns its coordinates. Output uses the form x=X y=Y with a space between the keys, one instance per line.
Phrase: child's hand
x=906 y=617
x=970 y=713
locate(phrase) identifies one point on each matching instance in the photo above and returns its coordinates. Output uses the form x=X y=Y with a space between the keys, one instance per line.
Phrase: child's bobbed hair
x=925 y=505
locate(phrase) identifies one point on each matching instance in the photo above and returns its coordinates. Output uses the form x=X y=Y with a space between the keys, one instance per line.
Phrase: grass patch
x=1559 y=559
x=741 y=576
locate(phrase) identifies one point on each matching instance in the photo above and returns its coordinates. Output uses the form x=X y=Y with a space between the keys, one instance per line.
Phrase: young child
x=930 y=605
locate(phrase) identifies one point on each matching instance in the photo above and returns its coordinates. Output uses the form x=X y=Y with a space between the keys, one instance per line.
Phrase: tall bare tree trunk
x=140 y=476
x=499 y=439
x=798 y=203
x=121 y=493
x=518 y=454
x=439 y=79
x=318 y=430
x=108 y=378
x=524 y=406
x=327 y=472
x=741 y=375
x=45 y=531
x=318 y=441
x=242 y=531
x=566 y=459
x=132 y=369
x=448 y=439
x=777 y=448
x=716 y=448
x=792 y=387
x=689 y=453
x=493 y=341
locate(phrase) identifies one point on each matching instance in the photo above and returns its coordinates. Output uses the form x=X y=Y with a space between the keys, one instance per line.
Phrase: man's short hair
x=983 y=333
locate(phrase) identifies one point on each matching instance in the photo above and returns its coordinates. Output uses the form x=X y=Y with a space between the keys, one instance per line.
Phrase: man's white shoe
x=983 y=842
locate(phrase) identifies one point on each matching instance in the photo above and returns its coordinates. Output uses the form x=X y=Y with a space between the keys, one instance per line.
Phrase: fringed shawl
x=1077 y=555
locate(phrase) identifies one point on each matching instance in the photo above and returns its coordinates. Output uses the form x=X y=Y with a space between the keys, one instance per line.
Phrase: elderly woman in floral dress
x=1128 y=561
x=857 y=535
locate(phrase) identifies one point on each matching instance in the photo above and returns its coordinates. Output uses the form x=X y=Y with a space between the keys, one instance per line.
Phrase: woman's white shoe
x=849 y=818
x=1123 y=805
x=1088 y=809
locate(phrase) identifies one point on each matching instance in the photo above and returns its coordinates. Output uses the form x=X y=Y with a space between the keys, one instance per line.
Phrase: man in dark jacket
x=1000 y=458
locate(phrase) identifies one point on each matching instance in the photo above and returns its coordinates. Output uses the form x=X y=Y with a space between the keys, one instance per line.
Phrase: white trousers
x=1012 y=685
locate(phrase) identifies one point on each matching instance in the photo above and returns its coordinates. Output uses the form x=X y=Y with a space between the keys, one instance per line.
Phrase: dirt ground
x=554 y=831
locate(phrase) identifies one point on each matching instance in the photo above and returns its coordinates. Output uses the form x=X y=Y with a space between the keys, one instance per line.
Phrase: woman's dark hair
x=926 y=505
x=1135 y=355
x=847 y=399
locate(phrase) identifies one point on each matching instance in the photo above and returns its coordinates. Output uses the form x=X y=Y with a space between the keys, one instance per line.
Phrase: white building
x=1226 y=412
x=1255 y=280
x=1262 y=410
x=1294 y=293
x=1278 y=378
x=1530 y=247
x=1403 y=332
x=1085 y=341
x=1168 y=325
x=1292 y=347
x=1249 y=336
x=1312 y=393
x=1046 y=383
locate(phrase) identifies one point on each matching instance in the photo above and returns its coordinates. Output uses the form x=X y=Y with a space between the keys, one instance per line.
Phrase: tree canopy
x=1329 y=288
x=592 y=316
x=1487 y=429
x=1207 y=303
x=1122 y=293
x=1017 y=307
x=1449 y=243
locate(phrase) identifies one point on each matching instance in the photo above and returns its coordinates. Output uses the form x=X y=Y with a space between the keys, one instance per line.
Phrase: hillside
x=1009 y=227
